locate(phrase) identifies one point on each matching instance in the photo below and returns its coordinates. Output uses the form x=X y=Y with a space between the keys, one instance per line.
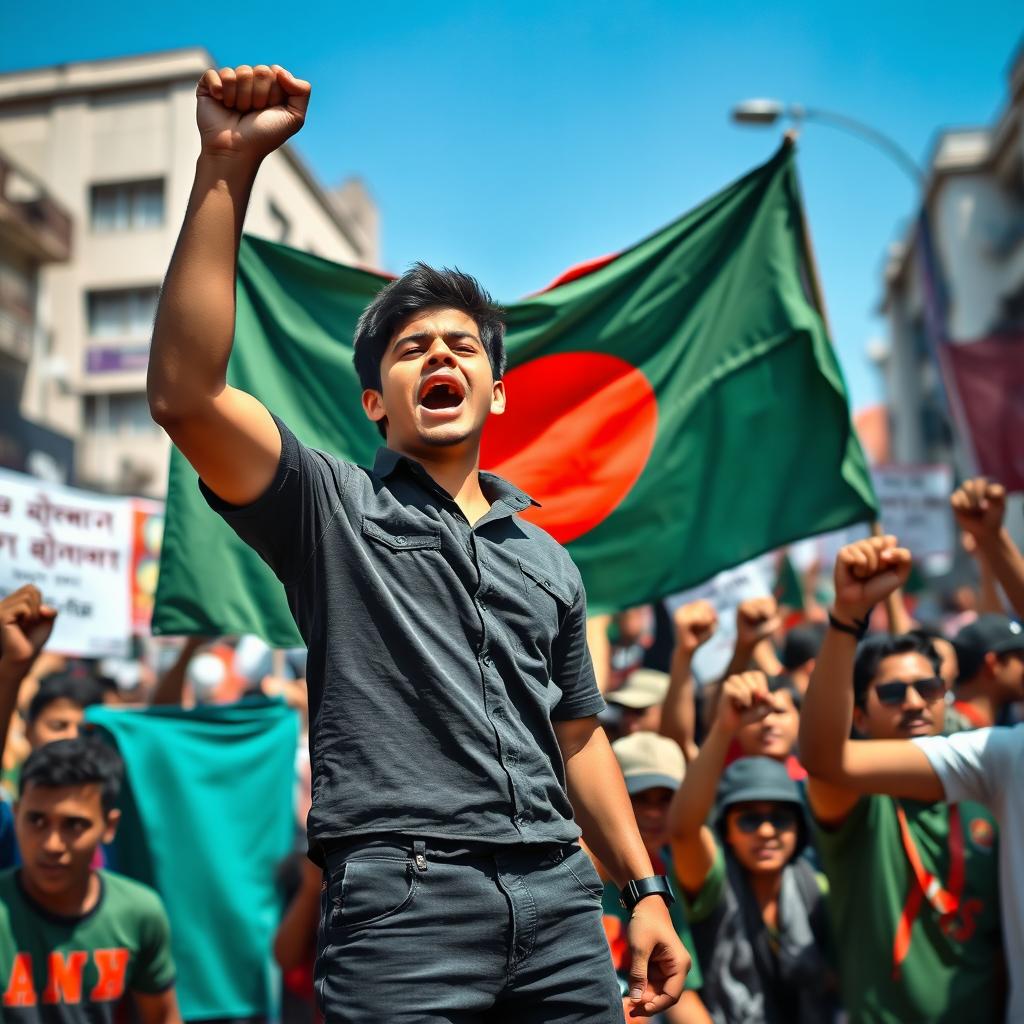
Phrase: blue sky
x=515 y=139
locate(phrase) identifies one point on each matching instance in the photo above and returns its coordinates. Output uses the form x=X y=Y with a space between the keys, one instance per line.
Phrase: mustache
x=909 y=718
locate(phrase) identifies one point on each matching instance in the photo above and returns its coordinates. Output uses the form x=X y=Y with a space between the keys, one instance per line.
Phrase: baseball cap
x=997 y=634
x=642 y=688
x=649 y=760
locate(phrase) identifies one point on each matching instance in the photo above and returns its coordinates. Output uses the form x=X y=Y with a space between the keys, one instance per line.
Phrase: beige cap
x=642 y=688
x=649 y=760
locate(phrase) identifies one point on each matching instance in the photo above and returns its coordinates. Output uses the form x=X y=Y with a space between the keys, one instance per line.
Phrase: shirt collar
x=495 y=488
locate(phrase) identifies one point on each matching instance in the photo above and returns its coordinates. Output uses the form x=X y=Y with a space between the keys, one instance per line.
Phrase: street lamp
x=768 y=111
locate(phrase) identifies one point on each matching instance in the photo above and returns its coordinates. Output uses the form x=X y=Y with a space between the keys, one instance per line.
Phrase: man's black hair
x=421 y=288
x=873 y=651
x=801 y=644
x=80 y=690
x=785 y=682
x=78 y=762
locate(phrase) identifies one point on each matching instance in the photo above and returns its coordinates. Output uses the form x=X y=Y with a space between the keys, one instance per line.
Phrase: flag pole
x=896 y=610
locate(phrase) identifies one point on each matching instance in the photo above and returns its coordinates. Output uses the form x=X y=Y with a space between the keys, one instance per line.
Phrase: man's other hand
x=249 y=111
x=695 y=623
x=979 y=506
x=660 y=962
x=756 y=619
x=745 y=699
x=25 y=625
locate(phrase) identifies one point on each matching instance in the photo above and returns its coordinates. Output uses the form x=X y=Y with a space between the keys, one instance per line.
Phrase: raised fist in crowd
x=249 y=111
x=867 y=572
x=26 y=623
x=757 y=618
x=979 y=506
x=745 y=699
x=696 y=623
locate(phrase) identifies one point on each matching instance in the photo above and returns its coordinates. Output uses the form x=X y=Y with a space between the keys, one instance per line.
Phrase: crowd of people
x=836 y=814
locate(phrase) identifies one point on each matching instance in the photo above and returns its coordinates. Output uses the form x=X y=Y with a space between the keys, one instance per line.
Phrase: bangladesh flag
x=676 y=409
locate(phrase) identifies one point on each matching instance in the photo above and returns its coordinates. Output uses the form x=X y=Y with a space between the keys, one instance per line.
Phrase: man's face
x=640 y=720
x=650 y=806
x=61 y=719
x=913 y=714
x=775 y=734
x=58 y=830
x=437 y=386
x=763 y=834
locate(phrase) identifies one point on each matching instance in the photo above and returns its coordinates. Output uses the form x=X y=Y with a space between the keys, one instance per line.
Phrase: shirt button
x=487 y=661
x=401 y=540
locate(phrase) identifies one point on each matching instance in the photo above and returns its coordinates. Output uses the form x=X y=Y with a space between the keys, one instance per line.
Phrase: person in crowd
x=452 y=699
x=57 y=709
x=911 y=879
x=638 y=701
x=653 y=767
x=755 y=906
x=990 y=656
x=799 y=649
x=75 y=942
x=775 y=733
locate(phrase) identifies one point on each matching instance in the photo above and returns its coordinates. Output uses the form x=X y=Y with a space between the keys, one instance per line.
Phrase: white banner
x=76 y=547
x=914 y=504
x=726 y=592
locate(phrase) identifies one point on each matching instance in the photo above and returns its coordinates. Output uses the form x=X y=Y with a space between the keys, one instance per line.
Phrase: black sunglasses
x=782 y=819
x=895 y=693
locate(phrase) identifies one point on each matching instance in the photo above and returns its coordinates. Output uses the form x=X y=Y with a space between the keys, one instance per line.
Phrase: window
x=127 y=206
x=125 y=314
x=282 y=225
x=118 y=414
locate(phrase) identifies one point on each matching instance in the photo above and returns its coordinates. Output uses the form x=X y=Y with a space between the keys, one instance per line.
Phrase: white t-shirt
x=987 y=765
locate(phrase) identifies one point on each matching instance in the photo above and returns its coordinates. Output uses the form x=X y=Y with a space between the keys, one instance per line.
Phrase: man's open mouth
x=441 y=393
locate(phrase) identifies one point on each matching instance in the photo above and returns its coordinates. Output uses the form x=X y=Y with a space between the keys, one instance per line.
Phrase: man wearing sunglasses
x=912 y=882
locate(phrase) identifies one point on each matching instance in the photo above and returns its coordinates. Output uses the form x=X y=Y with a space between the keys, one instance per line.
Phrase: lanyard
x=945 y=902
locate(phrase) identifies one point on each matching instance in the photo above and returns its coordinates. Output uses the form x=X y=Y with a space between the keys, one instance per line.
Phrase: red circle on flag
x=577 y=433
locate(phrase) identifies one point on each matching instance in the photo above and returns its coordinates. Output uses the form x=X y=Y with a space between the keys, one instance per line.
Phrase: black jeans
x=431 y=931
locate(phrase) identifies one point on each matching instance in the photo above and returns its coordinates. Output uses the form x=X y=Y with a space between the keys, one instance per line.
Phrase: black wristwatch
x=636 y=890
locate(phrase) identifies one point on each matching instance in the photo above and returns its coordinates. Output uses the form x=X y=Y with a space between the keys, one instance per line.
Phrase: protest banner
x=76 y=547
x=914 y=503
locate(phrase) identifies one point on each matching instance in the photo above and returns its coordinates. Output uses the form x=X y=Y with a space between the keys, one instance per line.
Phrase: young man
x=990 y=656
x=984 y=764
x=755 y=907
x=452 y=700
x=639 y=700
x=911 y=879
x=74 y=941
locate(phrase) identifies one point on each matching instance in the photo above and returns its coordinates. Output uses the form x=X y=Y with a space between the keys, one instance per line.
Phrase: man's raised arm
x=243 y=115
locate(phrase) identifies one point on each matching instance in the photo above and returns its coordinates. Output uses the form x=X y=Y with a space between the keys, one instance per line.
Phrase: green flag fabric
x=676 y=410
x=206 y=820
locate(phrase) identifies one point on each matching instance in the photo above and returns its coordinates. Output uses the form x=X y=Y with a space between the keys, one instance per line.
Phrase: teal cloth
x=207 y=815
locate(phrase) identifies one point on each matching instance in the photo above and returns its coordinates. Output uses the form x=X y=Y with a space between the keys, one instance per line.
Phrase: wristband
x=859 y=628
x=637 y=889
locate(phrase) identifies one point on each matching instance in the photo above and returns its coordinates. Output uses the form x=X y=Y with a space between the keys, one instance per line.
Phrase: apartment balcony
x=31 y=221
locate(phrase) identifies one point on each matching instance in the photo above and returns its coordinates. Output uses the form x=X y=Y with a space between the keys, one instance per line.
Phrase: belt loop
x=419 y=855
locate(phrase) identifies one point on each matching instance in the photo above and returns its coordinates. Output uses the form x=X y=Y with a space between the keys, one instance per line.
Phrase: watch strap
x=640 y=888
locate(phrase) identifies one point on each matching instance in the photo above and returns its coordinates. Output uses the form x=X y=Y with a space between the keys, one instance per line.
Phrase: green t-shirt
x=951 y=970
x=60 y=970
x=616 y=919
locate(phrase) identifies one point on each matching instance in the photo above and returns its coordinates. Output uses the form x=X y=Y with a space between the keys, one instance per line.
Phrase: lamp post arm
x=854 y=127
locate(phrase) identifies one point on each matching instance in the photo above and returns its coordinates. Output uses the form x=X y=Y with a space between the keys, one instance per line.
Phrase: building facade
x=115 y=142
x=974 y=196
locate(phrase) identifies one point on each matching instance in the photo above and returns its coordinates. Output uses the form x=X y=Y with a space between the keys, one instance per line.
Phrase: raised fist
x=25 y=625
x=757 y=618
x=745 y=699
x=979 y=506
x=249 y=111
x=695 y=624
x=867 y=572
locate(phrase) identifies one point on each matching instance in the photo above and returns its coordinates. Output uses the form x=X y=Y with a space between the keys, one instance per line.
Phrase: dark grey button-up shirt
x=440 y=653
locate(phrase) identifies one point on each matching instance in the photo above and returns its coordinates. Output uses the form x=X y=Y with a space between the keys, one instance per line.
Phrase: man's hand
x=25 y=626
x=249 y=111
x=745 y=698
x=756 y=619
x=696 y=623
x=660 y=962
x=867 y=572
x=979 y=507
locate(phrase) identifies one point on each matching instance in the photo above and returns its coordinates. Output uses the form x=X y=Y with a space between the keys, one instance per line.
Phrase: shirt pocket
x=396 y=535
x=535 y=577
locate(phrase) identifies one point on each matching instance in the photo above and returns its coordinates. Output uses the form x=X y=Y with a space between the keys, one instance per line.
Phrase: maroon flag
x=989 y=378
